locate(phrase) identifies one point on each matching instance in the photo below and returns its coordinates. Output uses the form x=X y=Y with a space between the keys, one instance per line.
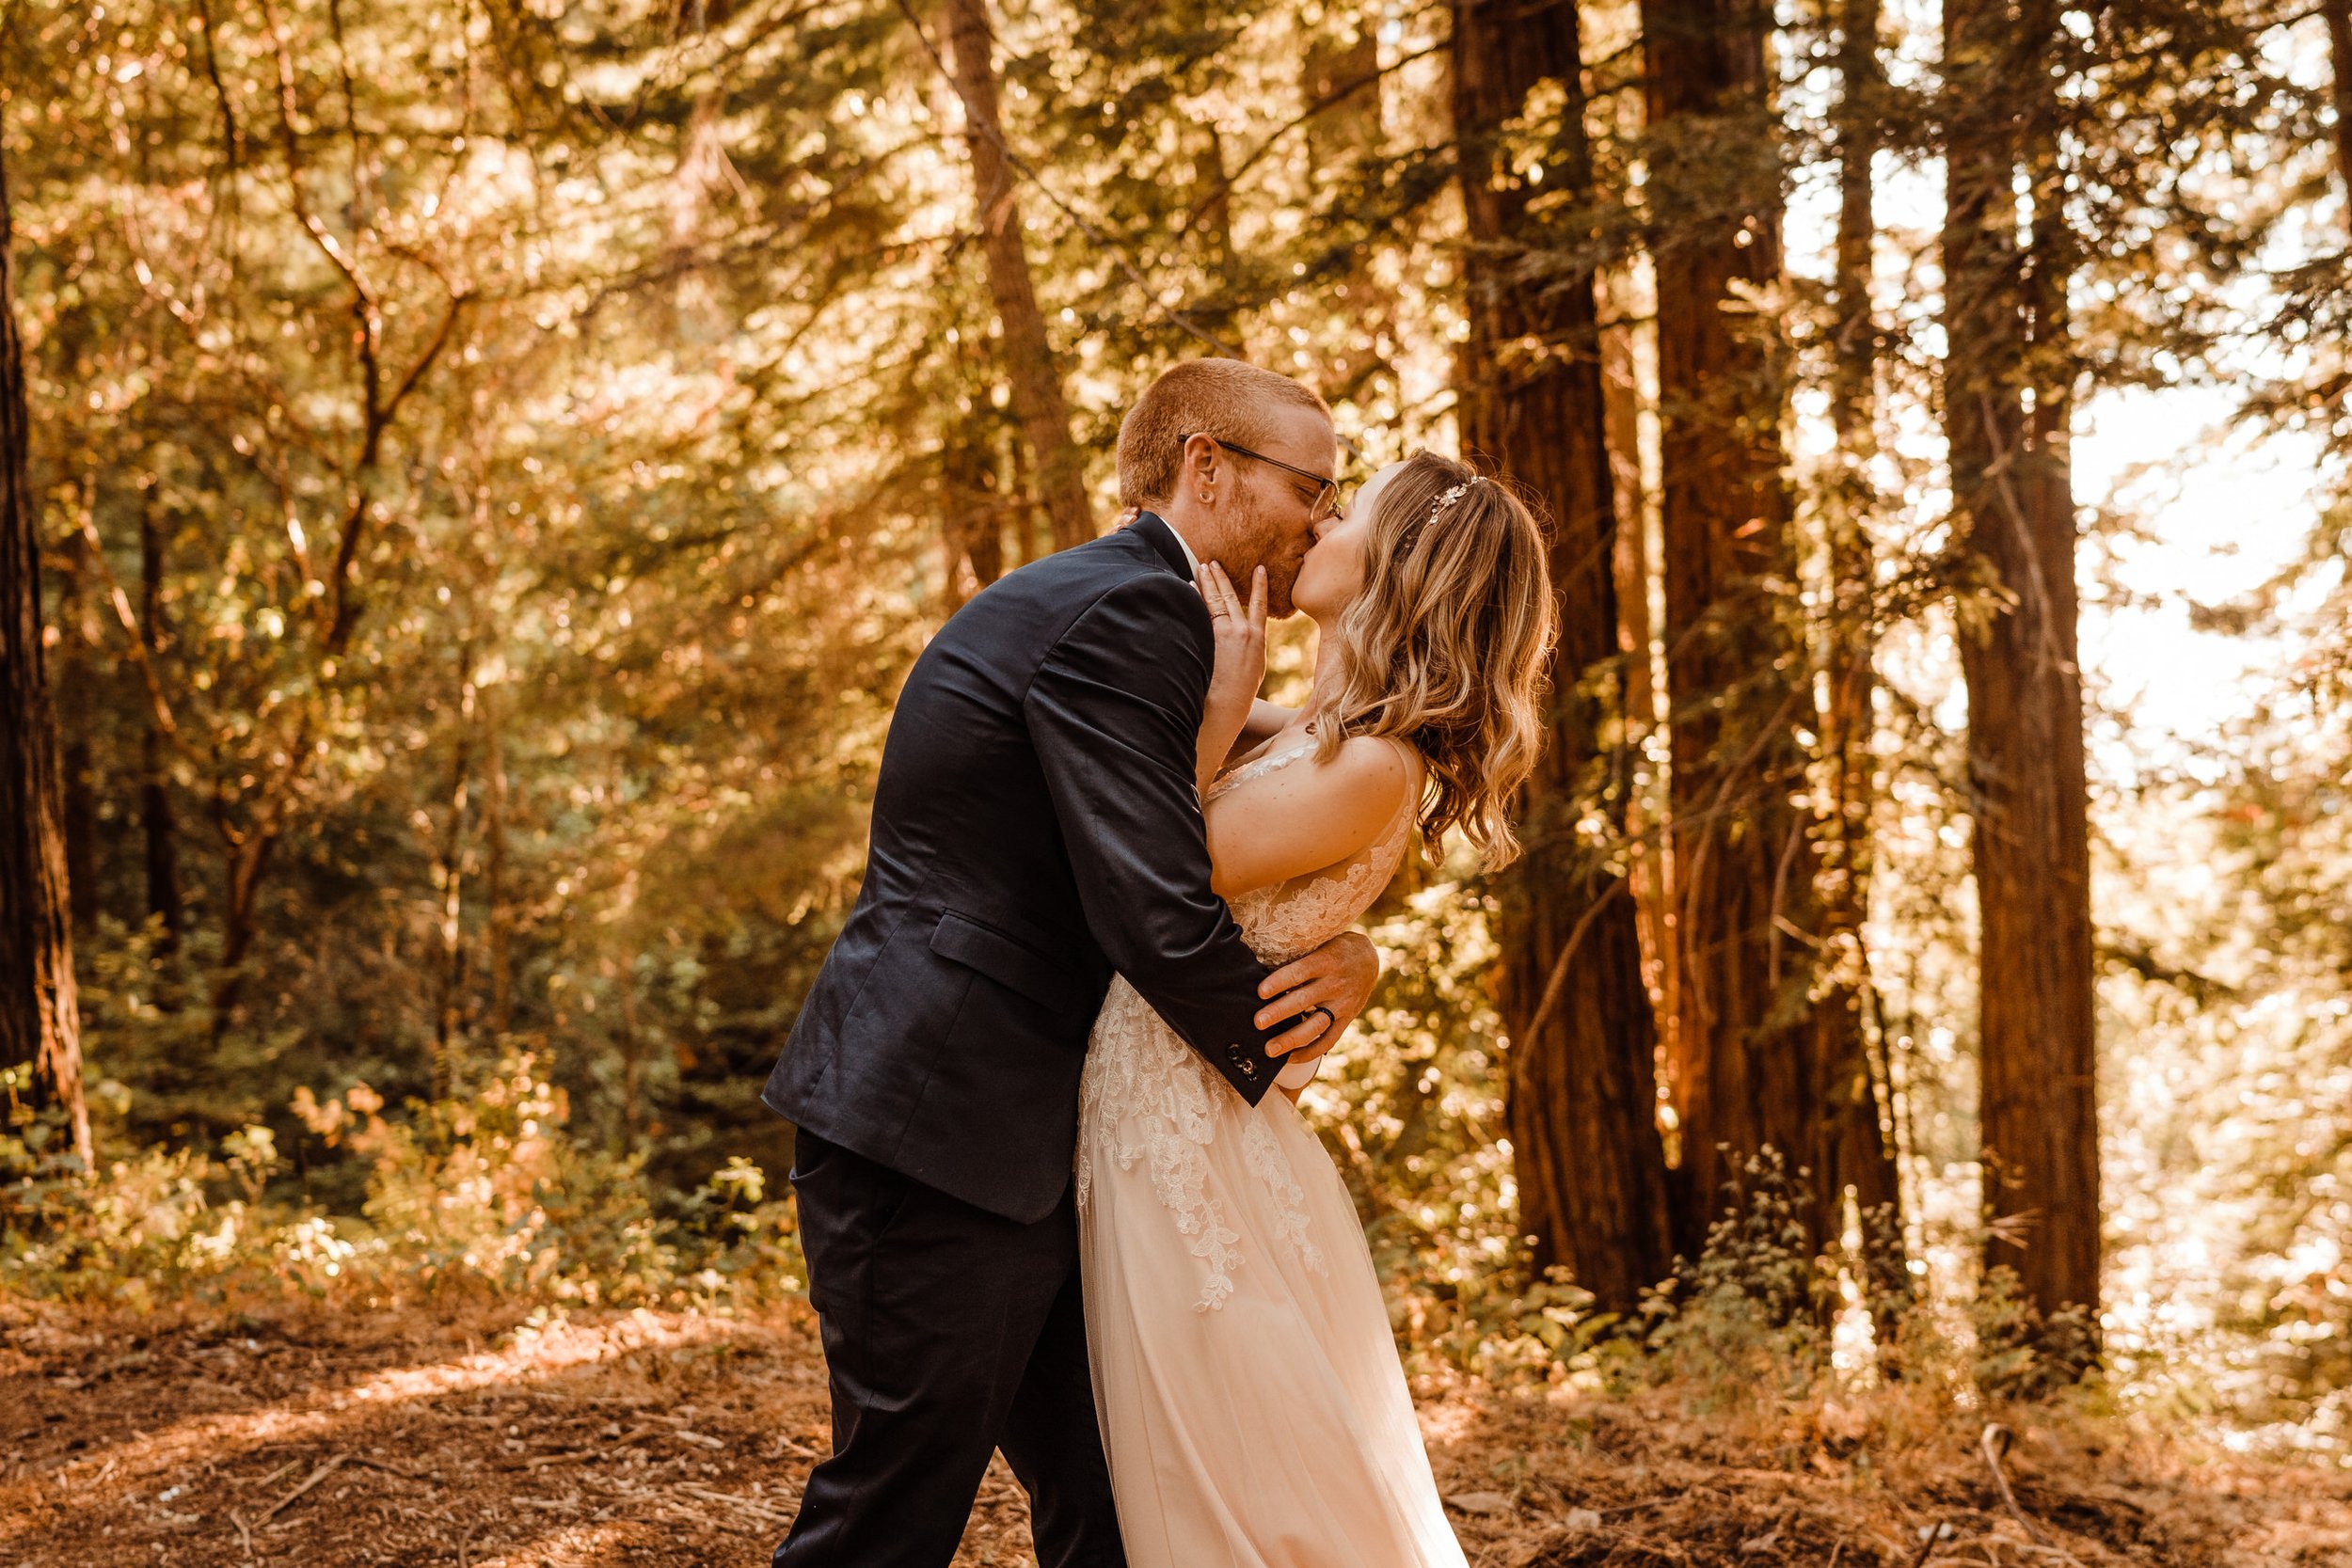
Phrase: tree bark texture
x=974 y=524
x=1590 y=1164
x=2006 y=329
x=1858 y=1151
x=1647 y=874
x=1342 y=71
x=1029 y=367
x=1220 y=311
x=155 y=814
x=74 y=694
x=495 y=892
x=40 y=1029
x=1744 y=1063
x=449 y=1016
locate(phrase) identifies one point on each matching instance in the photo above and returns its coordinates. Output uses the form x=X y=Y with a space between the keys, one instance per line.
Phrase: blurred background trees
x=491 y=462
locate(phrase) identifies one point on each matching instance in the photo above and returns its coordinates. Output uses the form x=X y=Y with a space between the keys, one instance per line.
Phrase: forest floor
x=333 y=1440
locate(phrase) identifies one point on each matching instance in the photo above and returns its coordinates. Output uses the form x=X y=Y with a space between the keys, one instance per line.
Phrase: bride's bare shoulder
x=1376 y=767
x=1363 y=774
x=1307 y=811
x=1383 y=759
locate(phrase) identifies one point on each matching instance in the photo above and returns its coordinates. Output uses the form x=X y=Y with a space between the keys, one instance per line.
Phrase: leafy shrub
x=482 y=1191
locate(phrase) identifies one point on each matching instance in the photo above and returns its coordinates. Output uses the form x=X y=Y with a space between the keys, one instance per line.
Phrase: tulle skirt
x=1252 y=1405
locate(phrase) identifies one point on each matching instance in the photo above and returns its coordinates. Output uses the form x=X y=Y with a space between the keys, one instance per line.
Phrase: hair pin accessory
x=1456 y=494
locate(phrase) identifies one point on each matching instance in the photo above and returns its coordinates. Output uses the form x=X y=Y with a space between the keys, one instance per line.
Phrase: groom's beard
x=1280 y=550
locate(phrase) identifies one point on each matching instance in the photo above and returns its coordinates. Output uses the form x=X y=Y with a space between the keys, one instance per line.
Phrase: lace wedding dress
x=1252 y=1406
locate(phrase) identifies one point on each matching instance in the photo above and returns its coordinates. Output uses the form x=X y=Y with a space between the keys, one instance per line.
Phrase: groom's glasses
x=1329 y=499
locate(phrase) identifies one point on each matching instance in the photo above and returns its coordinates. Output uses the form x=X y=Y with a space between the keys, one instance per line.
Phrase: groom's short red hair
x=1224 y=398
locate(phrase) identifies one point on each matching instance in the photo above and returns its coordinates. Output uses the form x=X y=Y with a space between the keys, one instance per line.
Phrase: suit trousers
x=949 y=1333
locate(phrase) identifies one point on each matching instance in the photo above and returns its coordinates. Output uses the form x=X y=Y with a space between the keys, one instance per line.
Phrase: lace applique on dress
x=1153 y=1095
x=1269 y=1164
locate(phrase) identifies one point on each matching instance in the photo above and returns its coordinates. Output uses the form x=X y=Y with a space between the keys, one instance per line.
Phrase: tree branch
x=1022 y=168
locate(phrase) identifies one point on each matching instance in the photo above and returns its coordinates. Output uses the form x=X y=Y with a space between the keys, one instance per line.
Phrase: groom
x=1036 y=828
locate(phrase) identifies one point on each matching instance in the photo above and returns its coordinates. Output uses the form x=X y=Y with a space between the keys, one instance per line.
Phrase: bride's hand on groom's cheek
x=1338 y=977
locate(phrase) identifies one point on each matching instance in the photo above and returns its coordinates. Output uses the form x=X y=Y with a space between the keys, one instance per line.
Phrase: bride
x=1253 y=1408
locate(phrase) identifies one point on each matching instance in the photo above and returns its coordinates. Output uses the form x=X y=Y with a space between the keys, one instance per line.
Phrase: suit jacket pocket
x=1008 y=962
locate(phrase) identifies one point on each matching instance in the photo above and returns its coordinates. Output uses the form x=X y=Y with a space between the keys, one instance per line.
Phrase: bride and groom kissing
x=1054 y=1191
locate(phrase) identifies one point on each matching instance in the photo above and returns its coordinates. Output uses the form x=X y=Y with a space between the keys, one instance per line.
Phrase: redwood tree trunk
x=2006 y=329
x=1029 y=367
x=1218 y=313
x=40 y=1029
x=449 y=1020
x=1857 y=1151
x=495 y=892
x=76 y=695
x=1648 y=871
x=155 y=814
x=974 y=525
x=1342 y=70
x=1743 y=1065
x=1591 y=1167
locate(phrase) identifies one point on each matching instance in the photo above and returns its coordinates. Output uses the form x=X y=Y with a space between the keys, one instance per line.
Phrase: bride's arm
x=1304 y=816
x=1301 y=818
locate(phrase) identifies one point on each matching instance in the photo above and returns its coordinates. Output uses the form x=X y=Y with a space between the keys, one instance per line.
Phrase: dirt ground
x=681 y=1439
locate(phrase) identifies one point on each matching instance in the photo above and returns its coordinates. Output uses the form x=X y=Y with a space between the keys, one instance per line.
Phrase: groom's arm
x=1114 y=713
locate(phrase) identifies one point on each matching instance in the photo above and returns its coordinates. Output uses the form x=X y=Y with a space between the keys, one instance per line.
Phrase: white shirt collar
x=1192 y=562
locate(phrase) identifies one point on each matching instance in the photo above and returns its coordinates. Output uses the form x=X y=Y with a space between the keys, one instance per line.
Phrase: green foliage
x=509 y=739
x=483 y=1193
x=1411 y=1104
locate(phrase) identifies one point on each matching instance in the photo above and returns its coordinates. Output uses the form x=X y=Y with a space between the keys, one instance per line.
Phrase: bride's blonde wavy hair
x=1446 y=644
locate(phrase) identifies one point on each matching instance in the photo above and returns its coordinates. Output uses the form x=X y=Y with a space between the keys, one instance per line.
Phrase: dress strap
x=1258 y=765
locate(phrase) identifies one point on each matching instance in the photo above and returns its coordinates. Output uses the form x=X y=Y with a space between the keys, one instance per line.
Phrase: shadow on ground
x=624 y=1438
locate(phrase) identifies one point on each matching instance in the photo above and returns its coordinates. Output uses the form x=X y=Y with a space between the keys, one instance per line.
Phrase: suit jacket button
x=1249 y=1068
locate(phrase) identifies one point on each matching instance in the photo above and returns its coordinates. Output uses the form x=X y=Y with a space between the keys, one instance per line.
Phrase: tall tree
x=1647 y=875
x=2008 y=380
x=974 y=525
x=1591 y=1166
x=76 y=695
x=155 y=814
x=1340 y=83
x=1856 y=1151
x=1034 y=378
x=1743 y=1061
x=40 y=1028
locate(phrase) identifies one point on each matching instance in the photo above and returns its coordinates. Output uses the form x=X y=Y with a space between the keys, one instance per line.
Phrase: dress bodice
x=1147 y=1098
x=1286 y=919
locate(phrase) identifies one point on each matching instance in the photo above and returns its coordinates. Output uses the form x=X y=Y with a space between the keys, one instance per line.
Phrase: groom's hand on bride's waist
x=1323 y=991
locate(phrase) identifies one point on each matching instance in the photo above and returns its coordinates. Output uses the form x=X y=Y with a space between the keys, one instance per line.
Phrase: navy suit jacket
x=1036 y=828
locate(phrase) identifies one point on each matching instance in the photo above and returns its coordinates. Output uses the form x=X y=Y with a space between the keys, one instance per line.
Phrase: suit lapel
x=1163 y=539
